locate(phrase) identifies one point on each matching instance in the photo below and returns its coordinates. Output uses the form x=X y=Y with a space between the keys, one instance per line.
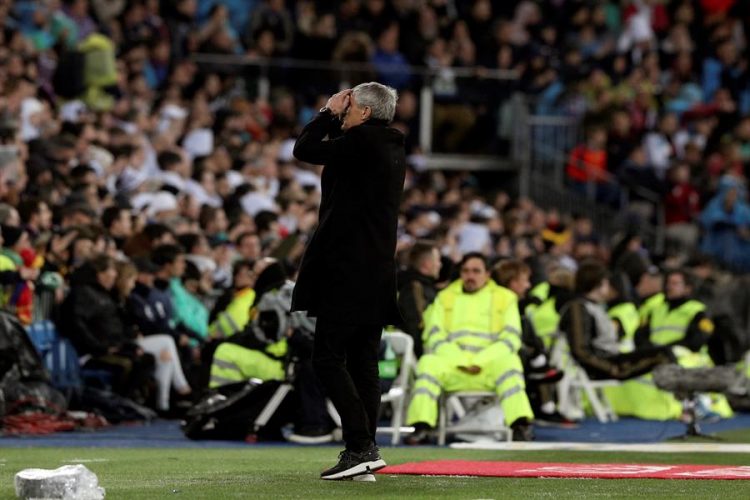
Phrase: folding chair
x=397 y=396
x=576 y=382
x=456 y=405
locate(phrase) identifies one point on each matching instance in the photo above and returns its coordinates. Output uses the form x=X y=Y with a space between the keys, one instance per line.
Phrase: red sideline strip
x=547 y=469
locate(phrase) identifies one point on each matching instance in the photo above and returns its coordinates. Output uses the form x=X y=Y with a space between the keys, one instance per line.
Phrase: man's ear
x=366 y=113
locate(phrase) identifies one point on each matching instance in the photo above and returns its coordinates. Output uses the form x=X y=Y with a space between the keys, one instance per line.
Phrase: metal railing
x=541 y=148
x=539 y=144
x=344 y=73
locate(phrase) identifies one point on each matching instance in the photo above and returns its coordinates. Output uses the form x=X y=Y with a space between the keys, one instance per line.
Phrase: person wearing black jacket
x=347 y=277
x=417 y=290
x=593 y=338
x=92 y=320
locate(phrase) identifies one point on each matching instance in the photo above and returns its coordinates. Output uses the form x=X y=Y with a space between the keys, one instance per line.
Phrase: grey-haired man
x=347 y=278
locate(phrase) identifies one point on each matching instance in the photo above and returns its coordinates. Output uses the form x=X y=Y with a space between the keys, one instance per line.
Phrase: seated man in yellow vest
x=546 y=300
x=252 y=352
x=471 y=338
x=676 y=319
x=232 y=310
x=593 y=337
x=273 y=339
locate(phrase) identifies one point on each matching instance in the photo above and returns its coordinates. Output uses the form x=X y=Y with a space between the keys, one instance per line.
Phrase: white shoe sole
x=358 y=470
x=364 y=478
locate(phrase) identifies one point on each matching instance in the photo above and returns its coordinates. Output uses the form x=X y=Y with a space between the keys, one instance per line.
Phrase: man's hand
x=471 y=369
x=339 y=102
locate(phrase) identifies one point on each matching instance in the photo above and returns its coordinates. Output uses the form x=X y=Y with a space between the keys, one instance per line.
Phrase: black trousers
x=345 y=358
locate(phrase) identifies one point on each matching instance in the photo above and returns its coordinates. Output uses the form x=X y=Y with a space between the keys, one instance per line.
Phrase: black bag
x=229 y=412
x=112 y=406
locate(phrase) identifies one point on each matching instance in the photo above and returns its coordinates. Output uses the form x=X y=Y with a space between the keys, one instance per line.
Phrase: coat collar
x=376 y=122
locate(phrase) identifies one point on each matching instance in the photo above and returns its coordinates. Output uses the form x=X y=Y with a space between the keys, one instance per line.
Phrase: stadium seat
x=397 y=396
x=576 y=382
x=61 y=360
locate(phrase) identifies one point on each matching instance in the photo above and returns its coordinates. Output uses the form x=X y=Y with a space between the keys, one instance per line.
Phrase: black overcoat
x=348 y=271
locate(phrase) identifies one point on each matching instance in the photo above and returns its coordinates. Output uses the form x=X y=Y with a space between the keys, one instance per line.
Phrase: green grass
x=282 y=472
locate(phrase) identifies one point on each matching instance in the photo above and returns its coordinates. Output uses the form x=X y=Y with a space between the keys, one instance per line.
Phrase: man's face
x=355 y=114
x=123 y=227
x=433 y=264
x=244 y=277
x=676 y=287
x=520 y=284
x=107 y=278
x=178 y=266
x=83 y=249
x=250 y=247
x=474 y=275
x=605 y=290
x=45 y=216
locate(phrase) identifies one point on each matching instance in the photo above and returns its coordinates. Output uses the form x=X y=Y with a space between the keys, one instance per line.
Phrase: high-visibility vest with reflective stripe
x=645 y=310
x=669 y=326
x=235 y=317
x=473 y=321
x=627 y=314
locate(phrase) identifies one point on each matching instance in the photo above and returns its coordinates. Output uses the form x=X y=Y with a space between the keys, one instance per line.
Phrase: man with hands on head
x=347 y=278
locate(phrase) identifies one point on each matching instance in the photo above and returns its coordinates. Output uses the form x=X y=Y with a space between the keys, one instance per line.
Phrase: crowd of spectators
x=662 y=90
x=137 y=187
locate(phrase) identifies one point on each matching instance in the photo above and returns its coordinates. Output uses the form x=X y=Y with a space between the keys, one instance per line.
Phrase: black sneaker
x=522 y=430
x=421 y=435
x=555 y=419
x=352 y=463
x=546 y=376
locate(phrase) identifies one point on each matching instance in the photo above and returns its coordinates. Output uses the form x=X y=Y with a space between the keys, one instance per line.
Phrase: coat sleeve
x=576 y=324
x=697 y=333
x=411 y=303
x=311 y=146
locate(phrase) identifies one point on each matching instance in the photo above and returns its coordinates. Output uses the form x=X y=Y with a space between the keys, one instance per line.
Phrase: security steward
x=472 y=337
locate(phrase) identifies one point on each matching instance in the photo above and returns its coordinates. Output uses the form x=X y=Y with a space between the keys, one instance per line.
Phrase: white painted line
x=638 y=447
x=85 y=460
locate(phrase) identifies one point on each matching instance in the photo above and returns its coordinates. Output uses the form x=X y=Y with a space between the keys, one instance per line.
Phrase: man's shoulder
x=384 y=132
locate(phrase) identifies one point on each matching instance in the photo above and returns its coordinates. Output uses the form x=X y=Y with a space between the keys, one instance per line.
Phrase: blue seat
x=60 y=359
x=42 y=334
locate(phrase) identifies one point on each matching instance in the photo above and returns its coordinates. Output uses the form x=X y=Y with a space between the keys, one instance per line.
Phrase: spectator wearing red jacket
x=587 y=168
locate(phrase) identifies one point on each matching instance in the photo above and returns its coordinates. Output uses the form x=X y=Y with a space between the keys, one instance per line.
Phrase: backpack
x=229 y=413
x=113 y=407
